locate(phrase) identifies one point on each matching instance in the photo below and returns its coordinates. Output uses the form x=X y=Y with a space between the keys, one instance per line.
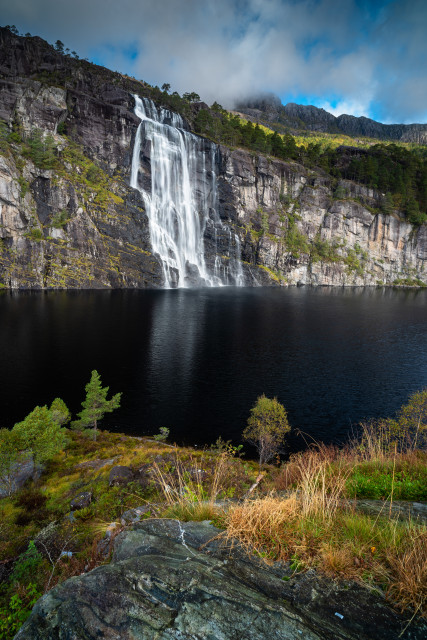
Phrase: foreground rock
x=169 y=581
x=120 y=475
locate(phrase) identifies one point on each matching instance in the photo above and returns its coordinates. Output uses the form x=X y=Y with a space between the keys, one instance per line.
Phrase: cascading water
x=181 y=200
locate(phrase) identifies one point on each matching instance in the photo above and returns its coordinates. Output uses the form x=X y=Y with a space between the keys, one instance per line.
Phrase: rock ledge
x=170 y=581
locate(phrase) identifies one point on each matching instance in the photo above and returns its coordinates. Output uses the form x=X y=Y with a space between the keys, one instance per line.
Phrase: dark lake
x=196 y=360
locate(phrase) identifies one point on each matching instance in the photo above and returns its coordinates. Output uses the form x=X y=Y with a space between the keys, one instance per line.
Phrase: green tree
x=387 y=204
x=9 y=456
x=191 y=97
x=40 y=434
x=217 y=107
x=95 y=405
x=413 y=213
x=59 y=46
x=41 y=149
x=60 y=412
x=203 y=122
x=340 y=192
x=166 y=87
x=267 y=427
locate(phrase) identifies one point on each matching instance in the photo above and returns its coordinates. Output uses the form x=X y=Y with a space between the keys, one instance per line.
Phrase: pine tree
x=59 y=46
x=96 y=405
x=59 y=412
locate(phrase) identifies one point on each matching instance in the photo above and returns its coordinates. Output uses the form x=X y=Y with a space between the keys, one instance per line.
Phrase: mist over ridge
x=359 y=58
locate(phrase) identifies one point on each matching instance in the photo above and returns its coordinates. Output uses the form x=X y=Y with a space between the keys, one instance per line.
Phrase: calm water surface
x=196 y=360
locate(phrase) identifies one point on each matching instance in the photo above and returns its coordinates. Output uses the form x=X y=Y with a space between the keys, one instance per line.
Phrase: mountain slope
x=69 y=218
x=295 y=117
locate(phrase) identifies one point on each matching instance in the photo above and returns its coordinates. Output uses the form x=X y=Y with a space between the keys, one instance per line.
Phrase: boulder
x=19 y=474
x=120 y=475
x=174 y=581
x=81 y=501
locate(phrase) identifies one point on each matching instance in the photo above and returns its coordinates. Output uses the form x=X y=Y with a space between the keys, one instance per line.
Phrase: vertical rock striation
x=290 y=223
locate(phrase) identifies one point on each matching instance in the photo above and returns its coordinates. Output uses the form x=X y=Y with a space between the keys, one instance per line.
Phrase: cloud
x=363 y=56
x=353 y=108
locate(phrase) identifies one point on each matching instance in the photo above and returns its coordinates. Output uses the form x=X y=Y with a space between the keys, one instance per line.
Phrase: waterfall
x=181 y=201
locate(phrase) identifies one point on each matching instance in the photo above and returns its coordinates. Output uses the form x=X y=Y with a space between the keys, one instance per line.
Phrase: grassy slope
x=299 y=515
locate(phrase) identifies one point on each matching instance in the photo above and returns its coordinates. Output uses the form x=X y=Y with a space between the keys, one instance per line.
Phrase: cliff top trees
x=191 y=97
x=267 y=427
x=95 y=405
x=59 y=46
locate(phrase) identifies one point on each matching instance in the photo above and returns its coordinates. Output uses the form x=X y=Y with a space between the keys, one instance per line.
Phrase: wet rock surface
x=402 y=509
x=175 y=581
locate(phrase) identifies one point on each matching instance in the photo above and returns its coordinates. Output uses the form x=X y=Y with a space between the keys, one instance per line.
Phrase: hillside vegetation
x=398 y=170
x=303 y=511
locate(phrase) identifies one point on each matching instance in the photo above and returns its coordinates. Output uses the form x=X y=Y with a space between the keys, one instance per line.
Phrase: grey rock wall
x=59 y=229
x=268 y=200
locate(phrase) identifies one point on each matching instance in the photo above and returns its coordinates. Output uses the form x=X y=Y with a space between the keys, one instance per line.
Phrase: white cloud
x=352 y=107
x=226 y=49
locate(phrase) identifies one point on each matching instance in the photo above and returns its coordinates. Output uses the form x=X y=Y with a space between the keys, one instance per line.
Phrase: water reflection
x=195 y=360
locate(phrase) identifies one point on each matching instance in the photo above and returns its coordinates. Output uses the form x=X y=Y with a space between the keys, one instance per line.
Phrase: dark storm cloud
x=353 y=56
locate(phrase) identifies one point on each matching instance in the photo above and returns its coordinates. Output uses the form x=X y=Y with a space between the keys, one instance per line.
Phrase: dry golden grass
x=323 y=459
x=321 y=487
x=338 y=561
x=191 y=492
x=260 y=525
x=409 y=574
x=348 y=545
x=316 y=526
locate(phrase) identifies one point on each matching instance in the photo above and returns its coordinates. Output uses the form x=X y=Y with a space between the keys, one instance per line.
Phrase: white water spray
x=182 y=200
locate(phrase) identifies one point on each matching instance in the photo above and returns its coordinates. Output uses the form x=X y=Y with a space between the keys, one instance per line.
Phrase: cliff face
x=79 y=224
x=290 y=223
x=76 y=223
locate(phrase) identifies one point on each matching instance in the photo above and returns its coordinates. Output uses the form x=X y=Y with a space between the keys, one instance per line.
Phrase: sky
x=361 y=57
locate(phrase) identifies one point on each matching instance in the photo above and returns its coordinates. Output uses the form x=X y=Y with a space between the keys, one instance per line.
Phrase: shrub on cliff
x=40 y=149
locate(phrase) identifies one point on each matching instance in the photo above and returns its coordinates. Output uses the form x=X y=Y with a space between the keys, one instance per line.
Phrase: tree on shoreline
x=267 y=427
x=95 y=405
x=41 y=434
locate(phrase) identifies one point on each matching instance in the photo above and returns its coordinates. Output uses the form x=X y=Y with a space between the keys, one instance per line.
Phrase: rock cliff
x=71 y=220
x=292 y=223
x=171 y=581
